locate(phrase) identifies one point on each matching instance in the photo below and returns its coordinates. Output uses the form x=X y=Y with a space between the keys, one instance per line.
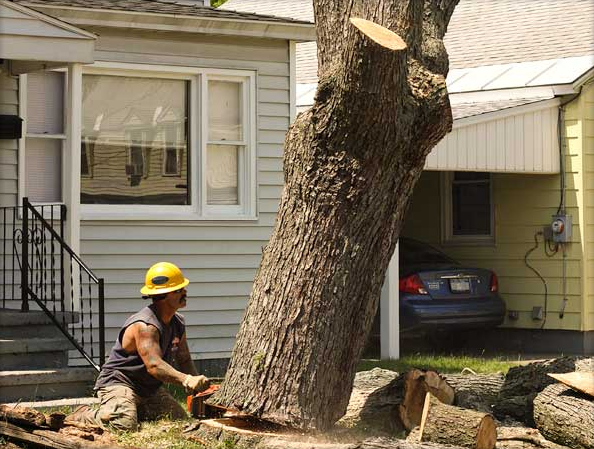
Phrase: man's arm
x=149 y=350
x=184 y=358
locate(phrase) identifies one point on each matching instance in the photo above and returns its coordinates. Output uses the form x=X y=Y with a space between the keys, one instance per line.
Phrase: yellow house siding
x=585 y=103
x=8 y=147
x=523 y=204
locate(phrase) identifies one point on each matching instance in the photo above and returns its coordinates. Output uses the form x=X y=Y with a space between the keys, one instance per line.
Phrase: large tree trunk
x=475 y=391
x=350 y=165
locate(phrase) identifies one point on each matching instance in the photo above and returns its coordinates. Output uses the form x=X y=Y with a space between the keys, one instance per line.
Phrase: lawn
x=169 y=434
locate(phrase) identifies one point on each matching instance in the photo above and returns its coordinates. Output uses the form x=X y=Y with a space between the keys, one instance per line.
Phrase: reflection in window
x=86 y=156
x=132 y=122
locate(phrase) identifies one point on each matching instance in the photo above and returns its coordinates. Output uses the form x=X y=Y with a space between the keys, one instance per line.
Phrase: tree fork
x=350 y=165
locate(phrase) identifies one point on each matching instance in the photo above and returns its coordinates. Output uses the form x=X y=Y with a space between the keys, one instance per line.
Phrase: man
x=129 y=385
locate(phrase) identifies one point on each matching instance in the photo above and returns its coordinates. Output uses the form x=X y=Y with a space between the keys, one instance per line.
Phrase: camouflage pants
x=122 y=409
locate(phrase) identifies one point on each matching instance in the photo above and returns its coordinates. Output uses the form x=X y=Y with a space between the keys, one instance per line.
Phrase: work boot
x=80 y=414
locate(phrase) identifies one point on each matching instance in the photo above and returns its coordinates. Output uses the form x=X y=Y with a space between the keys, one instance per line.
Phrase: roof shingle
x=161 y=7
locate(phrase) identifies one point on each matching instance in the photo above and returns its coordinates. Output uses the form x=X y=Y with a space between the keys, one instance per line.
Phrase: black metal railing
x=38 y=265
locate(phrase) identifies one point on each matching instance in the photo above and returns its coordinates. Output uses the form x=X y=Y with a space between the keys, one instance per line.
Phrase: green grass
x=442 y=363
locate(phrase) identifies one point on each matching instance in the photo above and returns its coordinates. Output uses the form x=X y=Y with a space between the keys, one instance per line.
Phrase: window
x=44 y=136
x=468 y=207
x=167 y=144
x=129 y=120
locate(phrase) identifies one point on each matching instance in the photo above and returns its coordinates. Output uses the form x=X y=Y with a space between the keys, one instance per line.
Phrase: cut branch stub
x=379 y=34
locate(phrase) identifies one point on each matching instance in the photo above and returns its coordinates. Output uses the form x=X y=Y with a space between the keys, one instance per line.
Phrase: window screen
x=43 y=162
x=45 y=103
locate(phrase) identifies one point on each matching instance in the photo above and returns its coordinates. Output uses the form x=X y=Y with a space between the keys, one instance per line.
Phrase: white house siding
x=525 y=142
x=220 y=258
x=8 y=147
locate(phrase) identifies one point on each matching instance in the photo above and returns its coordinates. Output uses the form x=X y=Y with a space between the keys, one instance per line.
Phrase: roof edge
x=506 y=112
x=47 y=18
x=298 y=31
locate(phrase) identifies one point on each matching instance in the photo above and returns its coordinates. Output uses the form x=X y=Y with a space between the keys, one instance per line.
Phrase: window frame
x=197 y=125
x=448 y=236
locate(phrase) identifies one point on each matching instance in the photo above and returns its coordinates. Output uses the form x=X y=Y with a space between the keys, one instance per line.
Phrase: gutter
x=298 y=31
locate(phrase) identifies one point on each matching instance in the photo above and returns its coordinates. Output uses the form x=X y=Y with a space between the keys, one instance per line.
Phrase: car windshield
x=413 y=252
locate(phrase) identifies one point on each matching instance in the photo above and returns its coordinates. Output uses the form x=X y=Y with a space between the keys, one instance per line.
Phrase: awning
x=31 y=40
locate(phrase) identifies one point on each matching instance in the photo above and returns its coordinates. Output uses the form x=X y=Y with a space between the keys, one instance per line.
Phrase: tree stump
x=475 y=391
x=565 y=416
x=523 y=383
x=448 y=424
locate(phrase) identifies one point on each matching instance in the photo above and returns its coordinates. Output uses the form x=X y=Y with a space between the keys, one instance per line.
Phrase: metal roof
x=161 y=7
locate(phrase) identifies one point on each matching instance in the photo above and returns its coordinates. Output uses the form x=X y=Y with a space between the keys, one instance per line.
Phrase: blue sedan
x=437 y=293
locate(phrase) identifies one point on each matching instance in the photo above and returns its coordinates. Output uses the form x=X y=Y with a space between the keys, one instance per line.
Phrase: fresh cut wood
x=579 y=381
x=448 y=424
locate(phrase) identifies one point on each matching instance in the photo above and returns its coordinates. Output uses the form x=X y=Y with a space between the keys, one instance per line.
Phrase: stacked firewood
x=531 y=407
x=22 y=425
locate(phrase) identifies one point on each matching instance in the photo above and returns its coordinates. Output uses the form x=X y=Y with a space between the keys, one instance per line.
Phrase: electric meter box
x=561 y=228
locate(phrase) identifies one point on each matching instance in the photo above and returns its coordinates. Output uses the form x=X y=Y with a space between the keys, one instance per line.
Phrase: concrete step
x=14 y=317
x=35 y=385
x=31 y=353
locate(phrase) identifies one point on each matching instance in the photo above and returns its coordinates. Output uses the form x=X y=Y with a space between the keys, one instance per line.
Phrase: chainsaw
x=198 y=408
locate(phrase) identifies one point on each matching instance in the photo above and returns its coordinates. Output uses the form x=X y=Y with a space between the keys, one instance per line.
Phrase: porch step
x=16 y=324
x=60 y=404
x=32 y=353
x=35 y=385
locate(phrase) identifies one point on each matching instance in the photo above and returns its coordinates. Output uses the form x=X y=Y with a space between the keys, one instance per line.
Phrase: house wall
x=8 y=147
x=219 y=258
x=583 y=132
x=523 y=204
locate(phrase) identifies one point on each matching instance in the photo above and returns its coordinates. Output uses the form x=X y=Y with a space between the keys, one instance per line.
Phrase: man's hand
x=196 y=383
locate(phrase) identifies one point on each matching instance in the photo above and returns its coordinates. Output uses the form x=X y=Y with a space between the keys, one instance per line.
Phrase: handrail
x=70 y=251
x=53 y=275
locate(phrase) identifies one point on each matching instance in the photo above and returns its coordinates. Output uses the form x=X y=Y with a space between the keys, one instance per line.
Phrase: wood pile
x=31 y=428
x=525 y=409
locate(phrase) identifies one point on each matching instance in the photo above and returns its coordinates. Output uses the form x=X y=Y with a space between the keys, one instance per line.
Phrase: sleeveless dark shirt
x=128 y=369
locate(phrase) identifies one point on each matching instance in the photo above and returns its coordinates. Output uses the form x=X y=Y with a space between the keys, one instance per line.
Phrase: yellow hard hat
x=163 y=277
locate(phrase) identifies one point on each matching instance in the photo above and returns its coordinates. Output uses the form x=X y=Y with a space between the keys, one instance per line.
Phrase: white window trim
x=448 y=236
x=21 y=145
x=198 y=209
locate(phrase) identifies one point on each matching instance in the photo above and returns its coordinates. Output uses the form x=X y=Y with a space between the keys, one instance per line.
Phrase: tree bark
x=523 y=383
x=448 y=424
x=565 y=416
x=350 y=164
x=22 y=416
x=475 y=391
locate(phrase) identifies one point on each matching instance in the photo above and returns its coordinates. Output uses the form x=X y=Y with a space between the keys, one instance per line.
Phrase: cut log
x=415 y=384
x=523 y=383
x=565 y=416
x=475 y=391
x=523 y=438
x=374 y=404
x=391 y=403
x=583 y=382
x=47 y=438
x=448 y=424
x=22 y=416
x=223 y=434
